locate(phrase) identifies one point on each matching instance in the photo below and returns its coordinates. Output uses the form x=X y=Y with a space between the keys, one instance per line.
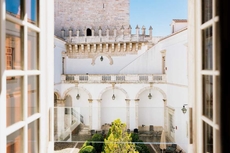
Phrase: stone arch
x=152 y=88
x=104 y=55
x=109 y=88
x=154 y=107
x=57 y=96
x=72 y=88
x=108 y=105
x=57 y=93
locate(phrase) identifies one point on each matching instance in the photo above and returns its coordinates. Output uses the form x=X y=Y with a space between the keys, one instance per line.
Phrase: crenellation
x=98 y=27
x=91 y=32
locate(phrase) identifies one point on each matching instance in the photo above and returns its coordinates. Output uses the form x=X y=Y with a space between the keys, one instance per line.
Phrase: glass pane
x=206 y=10
x=14 y=46
x=32 y=11
x=208 y=138
x=32 y=50
x=14 y=8
x=33 y=139
x=14 y=105
x=32 y=95
x=217 y=8
x=207 y=49
x=208 y=96
x=15 y=142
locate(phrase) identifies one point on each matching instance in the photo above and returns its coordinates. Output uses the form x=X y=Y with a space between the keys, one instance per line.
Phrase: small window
x=88 y=32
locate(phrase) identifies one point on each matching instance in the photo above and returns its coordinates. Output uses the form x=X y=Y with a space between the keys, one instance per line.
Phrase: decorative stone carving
x=111 y=45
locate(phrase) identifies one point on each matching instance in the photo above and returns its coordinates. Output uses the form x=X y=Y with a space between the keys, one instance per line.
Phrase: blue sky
x=157 y=13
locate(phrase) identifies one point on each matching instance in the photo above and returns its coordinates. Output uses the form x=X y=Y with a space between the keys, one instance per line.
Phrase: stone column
x=137 y=32
x=85 y=32
x=122 y=31
x=130 y=31
x=107 y=32
x=92 y=32
x=150 y=31
x=100 y=30
x=165 y=113
x=143 y=30
x=60 y=118
x=99 y=113
x=136 y=112
x=95 y=114
x=78 y=31
x=128 y=113
x=70 y=33
x=90 y=113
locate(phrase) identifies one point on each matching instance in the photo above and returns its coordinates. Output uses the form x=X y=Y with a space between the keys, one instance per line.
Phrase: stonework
x=92 y=14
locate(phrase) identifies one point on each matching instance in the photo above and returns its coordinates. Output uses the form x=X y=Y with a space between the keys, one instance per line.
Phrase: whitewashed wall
x=176 y=74
x=148 y=62
x=179 y=26
x=59 y=47
x=83 y=66
x=177 y=83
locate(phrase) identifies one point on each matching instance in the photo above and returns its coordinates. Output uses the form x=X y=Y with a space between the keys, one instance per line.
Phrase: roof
x=180 y=20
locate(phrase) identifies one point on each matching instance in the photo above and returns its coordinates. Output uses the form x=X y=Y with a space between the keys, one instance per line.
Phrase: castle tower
x=90 y=14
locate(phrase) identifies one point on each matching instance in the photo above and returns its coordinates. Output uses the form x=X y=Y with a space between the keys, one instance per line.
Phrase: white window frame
x=197 y=102
x=45 y=29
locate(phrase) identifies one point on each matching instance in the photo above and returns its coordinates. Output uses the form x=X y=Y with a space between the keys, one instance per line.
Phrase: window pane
x=32 y=50
x=32 y=11
x=208 y=138
x=15 y=142
x=14 y=8
x=208 y=96
x=33 y=139
x=207 y=49
x=32 y=95
x=206 y=10
x=14 y=105
x=14 y=46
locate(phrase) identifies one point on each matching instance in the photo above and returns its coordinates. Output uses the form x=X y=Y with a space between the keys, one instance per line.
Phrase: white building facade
x=129 y=66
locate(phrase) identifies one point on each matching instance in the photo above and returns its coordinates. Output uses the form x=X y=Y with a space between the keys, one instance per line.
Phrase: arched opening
x=153 y=108
x=88 y=32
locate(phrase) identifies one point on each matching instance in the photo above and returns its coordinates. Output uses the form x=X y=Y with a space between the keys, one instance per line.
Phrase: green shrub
x=134 y=137
x=139 y=149
x=97 y=142
x=141 y=144
x=119 y=140
x=87 y=143
x=87 y=149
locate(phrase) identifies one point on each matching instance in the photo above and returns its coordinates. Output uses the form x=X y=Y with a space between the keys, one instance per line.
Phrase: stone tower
x=90 y=14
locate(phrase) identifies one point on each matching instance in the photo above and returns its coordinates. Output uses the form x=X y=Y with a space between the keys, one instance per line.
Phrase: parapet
x=94 y=35
x=119 y=43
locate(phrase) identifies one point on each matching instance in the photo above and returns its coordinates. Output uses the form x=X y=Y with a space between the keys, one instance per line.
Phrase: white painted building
x=96 y=67
x=26 y=86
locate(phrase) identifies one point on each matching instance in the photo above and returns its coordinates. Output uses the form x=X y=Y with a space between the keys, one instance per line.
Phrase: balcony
x=119 y=78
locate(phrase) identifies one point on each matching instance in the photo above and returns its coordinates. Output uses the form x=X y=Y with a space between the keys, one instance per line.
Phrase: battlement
x=119 y=43
x=109 y=35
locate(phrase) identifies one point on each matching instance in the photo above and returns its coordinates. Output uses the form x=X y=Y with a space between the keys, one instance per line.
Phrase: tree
x=119 y=140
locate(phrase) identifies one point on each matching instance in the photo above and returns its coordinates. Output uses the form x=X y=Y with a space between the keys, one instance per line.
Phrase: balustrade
x=144 y=78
